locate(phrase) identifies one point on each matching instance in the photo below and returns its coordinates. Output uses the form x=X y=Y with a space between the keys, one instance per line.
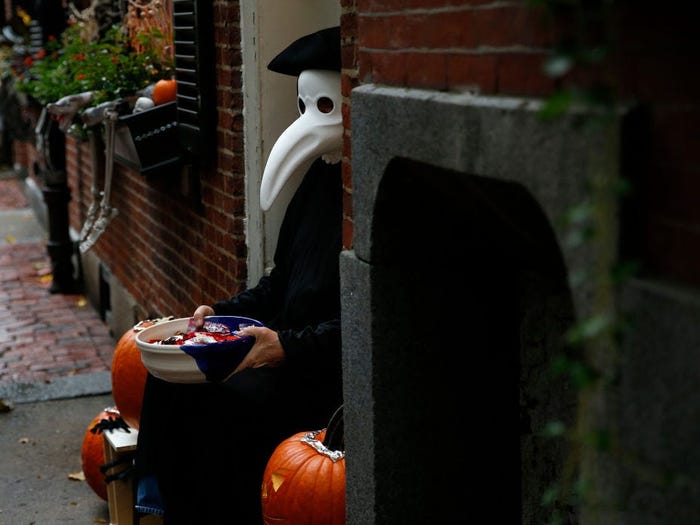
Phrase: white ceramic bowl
x=193 y=363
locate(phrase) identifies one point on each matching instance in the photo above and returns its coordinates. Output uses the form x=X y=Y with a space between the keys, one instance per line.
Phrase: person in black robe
x=202 y=448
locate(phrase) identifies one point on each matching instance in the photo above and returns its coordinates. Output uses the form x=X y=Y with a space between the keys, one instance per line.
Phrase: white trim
x=267 y=27
x=252 y=139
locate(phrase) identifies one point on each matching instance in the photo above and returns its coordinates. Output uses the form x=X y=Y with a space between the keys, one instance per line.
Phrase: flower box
x=146 y=141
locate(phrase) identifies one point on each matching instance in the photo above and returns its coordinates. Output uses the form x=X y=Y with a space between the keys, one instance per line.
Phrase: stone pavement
x=40 y=456
x=55 y=358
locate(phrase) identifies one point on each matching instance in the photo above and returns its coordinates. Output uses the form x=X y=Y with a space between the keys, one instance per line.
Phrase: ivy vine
x=579 y=66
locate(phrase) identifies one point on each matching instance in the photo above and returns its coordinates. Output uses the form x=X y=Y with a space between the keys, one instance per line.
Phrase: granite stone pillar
x=456 y=297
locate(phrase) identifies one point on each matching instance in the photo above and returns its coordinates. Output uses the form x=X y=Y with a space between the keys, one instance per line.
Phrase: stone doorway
x=456 y=299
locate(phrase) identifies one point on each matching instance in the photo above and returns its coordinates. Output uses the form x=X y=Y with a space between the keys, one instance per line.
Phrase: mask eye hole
x=302 y=106
x=324 y=105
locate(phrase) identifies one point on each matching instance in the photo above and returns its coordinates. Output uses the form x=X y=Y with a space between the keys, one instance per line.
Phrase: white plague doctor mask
x=318 y=132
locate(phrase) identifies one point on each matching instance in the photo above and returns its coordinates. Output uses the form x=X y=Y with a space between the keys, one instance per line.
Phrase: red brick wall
x=170 y=253
x=657 y=65
x=499 y=47
x=348 y=35
x=24 y=154
x=492 y=47
x=173 y=254
x=170 y=250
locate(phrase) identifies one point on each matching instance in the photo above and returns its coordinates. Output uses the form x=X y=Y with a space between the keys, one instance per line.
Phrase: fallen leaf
x=100 y=520
x=42 y=269
x=77 y=476
x=81 y=302
x=46 y=278
x=5 y=406
x=10 y=239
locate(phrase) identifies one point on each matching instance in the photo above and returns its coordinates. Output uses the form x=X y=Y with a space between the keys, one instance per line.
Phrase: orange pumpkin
x=93 y=454
x=129 y=374
x=164 y=91
x=304 y=480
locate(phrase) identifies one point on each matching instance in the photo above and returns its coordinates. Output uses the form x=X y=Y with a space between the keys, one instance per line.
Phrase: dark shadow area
x=470 y=306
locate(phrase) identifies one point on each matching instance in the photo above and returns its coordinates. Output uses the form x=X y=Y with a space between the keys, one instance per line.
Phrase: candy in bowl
x=174 y=353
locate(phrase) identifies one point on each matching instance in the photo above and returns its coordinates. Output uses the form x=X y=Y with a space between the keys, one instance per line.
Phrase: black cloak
x=207 y=444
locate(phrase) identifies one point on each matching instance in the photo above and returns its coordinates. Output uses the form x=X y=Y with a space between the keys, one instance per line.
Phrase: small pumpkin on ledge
x=165 y=90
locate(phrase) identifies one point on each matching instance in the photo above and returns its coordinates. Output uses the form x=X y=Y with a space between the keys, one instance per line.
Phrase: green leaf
x=110 y=67
x=600 y=439
x=558 y=65
x=556 y=104
x=581 y=375
x=550 y=496
x=594 y=55
x=624 y=270
x=589 y=328
x=560 y=365
x=554 y=429
x=579 y=214
x=579 y=236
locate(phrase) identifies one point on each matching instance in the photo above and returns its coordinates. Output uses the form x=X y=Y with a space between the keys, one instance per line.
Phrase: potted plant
x=111 y=67
x=91 y=65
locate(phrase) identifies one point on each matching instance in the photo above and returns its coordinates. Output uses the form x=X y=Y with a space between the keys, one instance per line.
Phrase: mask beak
x=317 y=132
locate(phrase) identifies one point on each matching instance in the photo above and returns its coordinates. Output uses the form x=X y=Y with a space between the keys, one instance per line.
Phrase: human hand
x=267 y=350
x=200 y=313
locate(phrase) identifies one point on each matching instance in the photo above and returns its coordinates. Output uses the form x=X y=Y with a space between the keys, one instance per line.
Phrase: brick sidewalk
x=43 y=335
x=11 y=194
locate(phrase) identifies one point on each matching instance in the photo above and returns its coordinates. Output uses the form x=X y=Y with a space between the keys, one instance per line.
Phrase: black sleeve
x=314 y=346
x=261 y=302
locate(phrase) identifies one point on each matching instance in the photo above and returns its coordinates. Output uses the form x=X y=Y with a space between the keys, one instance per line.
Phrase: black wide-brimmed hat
x=319 y=50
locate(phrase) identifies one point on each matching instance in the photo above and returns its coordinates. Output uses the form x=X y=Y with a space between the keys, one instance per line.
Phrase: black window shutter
x=193 y=27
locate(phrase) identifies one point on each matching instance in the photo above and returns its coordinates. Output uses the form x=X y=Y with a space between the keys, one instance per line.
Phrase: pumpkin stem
x=335 y=431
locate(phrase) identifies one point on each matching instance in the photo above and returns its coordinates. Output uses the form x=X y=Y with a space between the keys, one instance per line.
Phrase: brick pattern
x=160 y=246
x=498 y=48
x=43 y=335
x=454 y=45
x=11 y=195
x=173 y=250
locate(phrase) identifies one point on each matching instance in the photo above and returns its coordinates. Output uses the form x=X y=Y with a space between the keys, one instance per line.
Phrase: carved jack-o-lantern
x=304 y=481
